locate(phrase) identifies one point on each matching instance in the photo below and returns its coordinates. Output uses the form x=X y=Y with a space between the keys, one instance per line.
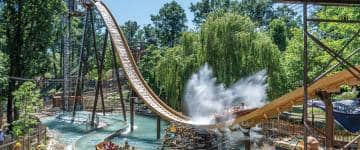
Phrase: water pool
x=83 y=135
x=66 y=132
x=88 y=141
x=144 y=135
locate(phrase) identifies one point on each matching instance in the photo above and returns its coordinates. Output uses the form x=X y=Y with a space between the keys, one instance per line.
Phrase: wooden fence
x=27 y=142
x=275 y=127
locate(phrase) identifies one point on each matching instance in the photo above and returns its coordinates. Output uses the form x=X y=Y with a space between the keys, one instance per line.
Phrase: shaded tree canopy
x=235 y=49
x=3 y=74
x=260 y=11
x=30 y=32
x=203 y=8
x=130 y=28
x=169 y=23
x=278 y=33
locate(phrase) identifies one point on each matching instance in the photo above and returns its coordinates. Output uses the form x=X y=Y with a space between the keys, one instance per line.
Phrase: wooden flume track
x=140 y=86
x=132 y=72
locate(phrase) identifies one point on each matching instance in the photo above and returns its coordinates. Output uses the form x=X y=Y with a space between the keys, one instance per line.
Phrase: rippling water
x=144 y=134
x=70 y=133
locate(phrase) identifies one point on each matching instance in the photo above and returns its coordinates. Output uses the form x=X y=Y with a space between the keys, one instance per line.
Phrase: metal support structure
x=81 y=60
x=132 y=114
x=333 y=67
x=62 y=53
x=329 y=129
x=333 y=20
x=116 y=68
x=334 y=55
x=102 y=65
x=98 y=88
x=158 y=126
x=67 y=51
x=305 y=76
x=342 y=49
x=247 y=141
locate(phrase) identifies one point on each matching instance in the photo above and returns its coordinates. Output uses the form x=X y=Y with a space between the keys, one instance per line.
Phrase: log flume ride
x=143 y=90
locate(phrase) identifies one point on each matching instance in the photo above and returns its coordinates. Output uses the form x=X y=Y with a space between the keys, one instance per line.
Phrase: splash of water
x=204 y=96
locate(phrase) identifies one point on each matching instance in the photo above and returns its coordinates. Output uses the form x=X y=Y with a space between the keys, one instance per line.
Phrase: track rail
x=140 y=86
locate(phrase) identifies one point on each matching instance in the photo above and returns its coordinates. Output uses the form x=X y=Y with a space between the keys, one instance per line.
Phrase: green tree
x=29 y=34
x=151 y=58
x=333 y=34
x=278 y=33
x=130 y=28
x=3 y=82
x=150 y=34
x=169 y=23
x=259 y=11
x=175 y=68
x=2 y=27
x=293 y=60
x=235 y=49
x=3 y=73
x=290 y=18
x=27 y=99
x=336 y=35
x=203 y=8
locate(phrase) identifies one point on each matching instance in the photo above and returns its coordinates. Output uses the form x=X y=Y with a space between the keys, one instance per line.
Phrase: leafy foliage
x=34 y=16
x=232 y=46
x=169 y=23
x=259 y=11
x=336 y=35
x=203 y=8
x=332 y=34
x=3 y=75
x=289 y=17
x=175 y=68
x=147 y=64
x=149 y=34
x=278 y=34
x=130 y=29
x=30 y=32
x=27 y=99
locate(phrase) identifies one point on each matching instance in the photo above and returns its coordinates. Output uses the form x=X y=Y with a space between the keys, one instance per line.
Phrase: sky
x=140 y=10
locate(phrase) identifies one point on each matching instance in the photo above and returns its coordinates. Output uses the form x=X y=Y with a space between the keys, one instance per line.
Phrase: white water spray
x=204 y=96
